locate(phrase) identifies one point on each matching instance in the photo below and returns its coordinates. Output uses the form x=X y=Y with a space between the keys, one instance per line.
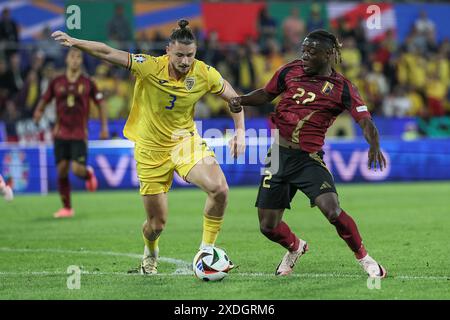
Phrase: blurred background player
x=72 y=92
x=6 y=190
x=161 y=123
x=313 y=94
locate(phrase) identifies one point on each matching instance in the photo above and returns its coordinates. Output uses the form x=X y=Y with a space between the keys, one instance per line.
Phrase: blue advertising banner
x=113 y=162
x=32 y=169
x=406 y=15
x=25 y=166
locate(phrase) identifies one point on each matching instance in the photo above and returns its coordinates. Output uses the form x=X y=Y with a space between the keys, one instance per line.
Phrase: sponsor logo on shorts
x=325 y=185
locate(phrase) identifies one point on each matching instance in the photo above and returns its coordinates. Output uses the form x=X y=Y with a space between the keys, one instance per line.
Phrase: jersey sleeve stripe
x=281 y=83
x=345 y=98
x=129 y=61
x=221 y=90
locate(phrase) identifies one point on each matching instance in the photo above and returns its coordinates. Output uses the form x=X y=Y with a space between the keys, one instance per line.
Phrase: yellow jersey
x=162 y=112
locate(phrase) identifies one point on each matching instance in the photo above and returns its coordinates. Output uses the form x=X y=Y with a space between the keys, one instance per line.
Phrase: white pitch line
x=183 y=268
x=233 y=274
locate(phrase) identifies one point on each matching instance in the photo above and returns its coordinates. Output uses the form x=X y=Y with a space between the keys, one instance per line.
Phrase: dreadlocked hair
x=331 y=39
x=183 y=33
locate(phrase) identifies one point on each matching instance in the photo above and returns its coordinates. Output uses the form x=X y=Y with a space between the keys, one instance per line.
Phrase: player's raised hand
x=63 y=38
x=376 y=159
x=237 y=144
x=235 y=105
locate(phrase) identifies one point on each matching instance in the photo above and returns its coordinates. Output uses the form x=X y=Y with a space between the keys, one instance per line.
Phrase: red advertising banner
x=233 y=22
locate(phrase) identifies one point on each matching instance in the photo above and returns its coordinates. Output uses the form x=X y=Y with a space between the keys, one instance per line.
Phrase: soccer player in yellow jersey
x=161 y=125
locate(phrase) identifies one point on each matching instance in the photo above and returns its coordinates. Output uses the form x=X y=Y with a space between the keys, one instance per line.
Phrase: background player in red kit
x=313 y=94
x=72 y=92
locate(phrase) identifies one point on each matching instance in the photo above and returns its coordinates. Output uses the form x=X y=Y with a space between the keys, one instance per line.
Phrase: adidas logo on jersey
x=325 y=185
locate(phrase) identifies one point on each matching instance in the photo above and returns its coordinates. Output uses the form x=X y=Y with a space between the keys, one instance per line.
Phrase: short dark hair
x=330 y=39
x=183 y=33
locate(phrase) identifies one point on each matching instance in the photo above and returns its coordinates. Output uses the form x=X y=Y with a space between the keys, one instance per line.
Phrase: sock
x=284 y=236
x=64 y=192
x=211 y=228
x=348 y=231
x=151 y=247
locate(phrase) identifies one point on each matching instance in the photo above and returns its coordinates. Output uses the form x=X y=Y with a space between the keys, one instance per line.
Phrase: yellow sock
x=211 y=228
x=151 y=246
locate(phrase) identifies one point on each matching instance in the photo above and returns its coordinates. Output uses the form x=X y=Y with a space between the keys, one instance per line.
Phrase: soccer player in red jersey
x=313 y=94
x=72 y=92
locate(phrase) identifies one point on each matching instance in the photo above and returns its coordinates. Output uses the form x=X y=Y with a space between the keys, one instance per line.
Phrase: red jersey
x=310 y=104
x=72 y=105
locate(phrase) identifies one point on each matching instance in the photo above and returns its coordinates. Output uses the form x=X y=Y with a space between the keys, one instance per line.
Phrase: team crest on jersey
x=327 y=87
x=139 y=58
x=189 y=83
x=80 y=88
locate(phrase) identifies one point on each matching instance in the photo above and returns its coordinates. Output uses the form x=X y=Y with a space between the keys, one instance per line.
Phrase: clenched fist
x=235 y=105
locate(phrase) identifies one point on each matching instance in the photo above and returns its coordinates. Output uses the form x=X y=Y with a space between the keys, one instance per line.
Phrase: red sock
x=283 y=235
x=64 y=191
x=347 y=230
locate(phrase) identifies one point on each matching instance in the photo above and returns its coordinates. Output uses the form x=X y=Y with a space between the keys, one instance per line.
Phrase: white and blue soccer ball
x=211 y=264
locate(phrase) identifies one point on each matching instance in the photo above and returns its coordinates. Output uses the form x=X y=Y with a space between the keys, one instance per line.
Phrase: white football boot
x=290 y=258
x=372 y=268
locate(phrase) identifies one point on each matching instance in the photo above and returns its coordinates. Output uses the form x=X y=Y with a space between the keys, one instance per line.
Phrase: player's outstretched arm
x=254 y=98
x=96 y=49
x=376 y=157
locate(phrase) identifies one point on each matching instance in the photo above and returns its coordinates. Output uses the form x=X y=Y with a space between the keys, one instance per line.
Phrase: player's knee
x=63 y=170
x=329 y=206
x=266 y=227
x=78 y=170
x=266 y=230
x=332 y=212
x=219 y=192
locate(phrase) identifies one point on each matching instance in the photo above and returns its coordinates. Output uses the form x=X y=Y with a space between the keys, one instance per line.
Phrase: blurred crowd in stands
x=395 y=79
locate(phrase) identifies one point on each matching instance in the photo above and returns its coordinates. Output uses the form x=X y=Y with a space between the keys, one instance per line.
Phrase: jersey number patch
x=266 y=179
x=172 y=102
x=301 y=93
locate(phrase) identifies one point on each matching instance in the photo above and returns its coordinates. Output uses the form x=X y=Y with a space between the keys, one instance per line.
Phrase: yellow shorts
x=155 y=168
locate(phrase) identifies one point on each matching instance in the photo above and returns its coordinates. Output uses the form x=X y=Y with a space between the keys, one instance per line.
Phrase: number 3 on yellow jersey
x=172 y=102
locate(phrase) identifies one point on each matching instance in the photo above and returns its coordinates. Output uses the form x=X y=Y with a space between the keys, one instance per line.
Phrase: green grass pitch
x=405 y=226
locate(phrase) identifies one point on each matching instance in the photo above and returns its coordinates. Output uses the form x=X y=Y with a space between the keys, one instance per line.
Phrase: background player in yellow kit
x=161 y=123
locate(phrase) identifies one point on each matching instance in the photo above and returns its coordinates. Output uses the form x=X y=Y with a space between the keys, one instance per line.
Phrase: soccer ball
x=211 y=264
